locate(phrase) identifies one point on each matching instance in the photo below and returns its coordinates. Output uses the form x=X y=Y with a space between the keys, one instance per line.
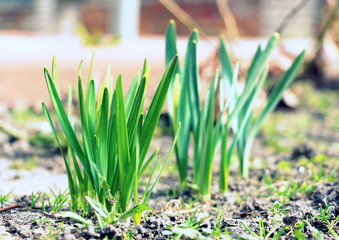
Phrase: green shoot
x=35 y=199
x=58 y=202
x=198 y=119
x=5 y=197
x=240 y=108
x=329 y=219
x=263 y=233
x=107 y=160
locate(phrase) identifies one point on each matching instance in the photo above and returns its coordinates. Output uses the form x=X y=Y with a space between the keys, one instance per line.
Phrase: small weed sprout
x=191 y=227
x=328 y=217
x=5 y=197
x=58 y=202
x=263 y=232
x=34 y=200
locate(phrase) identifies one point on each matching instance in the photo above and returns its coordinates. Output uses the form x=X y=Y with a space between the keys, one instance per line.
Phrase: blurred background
x=253 y=17
x=123 y=33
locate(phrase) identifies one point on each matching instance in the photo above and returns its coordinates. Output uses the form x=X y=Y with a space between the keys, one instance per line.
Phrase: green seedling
x=240 y=108
x=218 y=231
x=105 y=163
x=289 y=190
x=5 y=197
x=183 y=92
x=52 y=234
x=43 y=221
x=27 y=164
x=298 y=232
x=317 y=166
x=178 y=100
x=329 y=219
x=190 y=227
x=185 y=106
x=58 y=202
x=277 y=209
x=35 y=199
x=264 y=234
x=236 y=111
x=48 y=203
x=193 y=222
x=126 y=235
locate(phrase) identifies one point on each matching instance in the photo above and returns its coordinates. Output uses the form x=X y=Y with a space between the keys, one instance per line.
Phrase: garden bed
x=292 y=190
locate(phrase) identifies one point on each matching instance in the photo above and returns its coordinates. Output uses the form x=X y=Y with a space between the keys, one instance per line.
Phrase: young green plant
x=236 y=110
x=107 y=159
x=178 y=108
x=240 y=107
x=197 y=120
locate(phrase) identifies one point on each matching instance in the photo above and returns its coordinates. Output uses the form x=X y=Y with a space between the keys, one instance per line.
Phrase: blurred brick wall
x=253 y=17
x=155 y=17
x=95 y=17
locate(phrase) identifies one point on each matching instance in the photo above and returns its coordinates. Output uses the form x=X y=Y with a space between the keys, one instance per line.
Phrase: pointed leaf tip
x=276 y=35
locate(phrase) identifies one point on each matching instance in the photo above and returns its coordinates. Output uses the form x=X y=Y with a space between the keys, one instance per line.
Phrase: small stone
x=12 y=229
x=290 y=220
x=167 y=233
x=140 y=229
x=69 y=237
x=303 y=151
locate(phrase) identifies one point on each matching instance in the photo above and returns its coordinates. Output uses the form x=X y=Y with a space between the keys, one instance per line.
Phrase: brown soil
x=247 y=202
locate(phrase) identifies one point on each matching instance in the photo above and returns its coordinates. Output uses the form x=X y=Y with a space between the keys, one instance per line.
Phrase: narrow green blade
x=103 y=133
x=86 y=138
x=136 y=108
x=71 y=182
x=191 y=75
x=64 y=122
x=154 y=111
x=171 y=43
x=258 y=63
x=122 y=141
x=55 y=72
x=278 y=90
x=225 y=61
x=207 y=147
x=131 y=94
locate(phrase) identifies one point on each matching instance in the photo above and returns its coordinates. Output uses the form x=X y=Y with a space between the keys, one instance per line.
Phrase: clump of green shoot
x=107 y=149
x=236 y=111
x=197 y=120
x=241 y=118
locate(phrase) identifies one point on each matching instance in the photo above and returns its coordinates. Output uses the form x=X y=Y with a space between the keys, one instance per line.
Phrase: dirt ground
x=302 y=195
